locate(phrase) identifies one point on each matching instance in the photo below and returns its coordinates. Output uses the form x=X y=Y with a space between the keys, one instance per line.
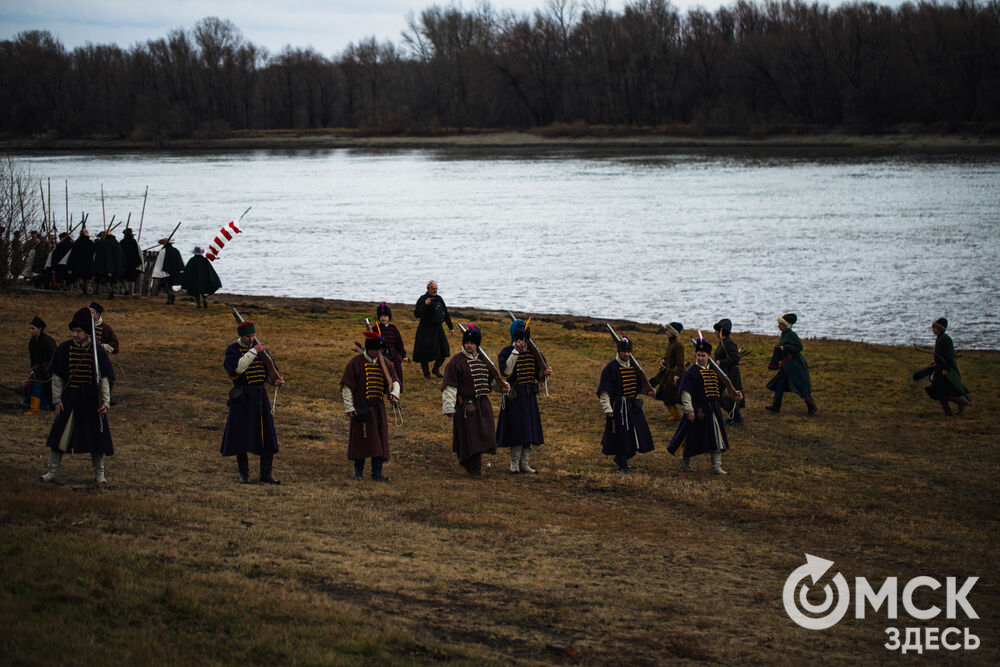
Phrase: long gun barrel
x=638 y=366
x=485 y=357
x=725 y=378
x=239 y=319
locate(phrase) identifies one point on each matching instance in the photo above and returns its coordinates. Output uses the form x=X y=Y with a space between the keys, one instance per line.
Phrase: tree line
x=745 y=66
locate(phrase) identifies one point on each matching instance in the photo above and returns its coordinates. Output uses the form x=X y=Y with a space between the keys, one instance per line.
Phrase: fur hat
x=702 y=345
x=942 y=322
x=383 y=309
x=674 y=329
x=624 y=344
x=245 y=328
x=518 y=331
x=98 y=308
x=788 y=320
x=38 y=322
x=472 y=334
x=82 y=319
x=373 y=340
x=127 y=231
x=724 y=325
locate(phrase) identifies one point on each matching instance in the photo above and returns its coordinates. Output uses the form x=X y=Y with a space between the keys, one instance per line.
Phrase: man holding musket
x=465 y=400
x=81 y=392
x=366 y=379
x=625 y=430
x=519 y=426
x=703 y=428
x=250 y=425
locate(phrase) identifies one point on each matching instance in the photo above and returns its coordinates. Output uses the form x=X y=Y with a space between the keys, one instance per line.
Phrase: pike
x=97 y=368
x=45 y=215
x=534 y=349
x=104 y=216
x=142 y=215
x=489 y=363
x=638 y=366
x=268 y=359
x=169 y=237
x=67 y=207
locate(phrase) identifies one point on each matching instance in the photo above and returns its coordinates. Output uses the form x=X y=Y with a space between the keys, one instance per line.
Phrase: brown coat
x=674 y=361
x=472 y=429
x=369 y=434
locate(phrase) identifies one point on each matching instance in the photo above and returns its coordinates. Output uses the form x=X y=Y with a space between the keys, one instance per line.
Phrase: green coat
x=793 y=371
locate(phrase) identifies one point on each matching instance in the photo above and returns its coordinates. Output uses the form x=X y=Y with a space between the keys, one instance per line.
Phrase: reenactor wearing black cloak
x=703 y=429
x=81 y=402
x=727 y=357
x=366 y=380
x=200 y=279
x=41 y=347
x=109 y=263
x=250 y=425
x=167 y=270
x=430 y=343
x=81 y=260
x=946 y=382
x=671 y=368
x=465 y=398
x=133 y=259
x=519 y=426
x=793 y=371
x=625 y=429
x=60 y=268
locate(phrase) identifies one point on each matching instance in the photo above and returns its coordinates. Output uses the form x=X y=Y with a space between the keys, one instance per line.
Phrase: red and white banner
x=219 y=242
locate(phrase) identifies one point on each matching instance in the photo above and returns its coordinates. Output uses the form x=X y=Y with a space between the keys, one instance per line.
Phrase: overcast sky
x=326 y=25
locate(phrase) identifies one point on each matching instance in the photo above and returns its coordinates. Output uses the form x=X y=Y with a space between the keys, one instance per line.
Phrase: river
x=869 y=248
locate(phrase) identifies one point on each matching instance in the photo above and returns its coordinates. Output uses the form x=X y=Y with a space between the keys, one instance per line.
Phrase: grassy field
x=174 y=562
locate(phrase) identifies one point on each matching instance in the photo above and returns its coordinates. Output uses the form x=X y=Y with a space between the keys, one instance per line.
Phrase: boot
x=961 y=402
x=377 y=469
x=244 y=466
x=426 y=370
x=197 y=301
x=204 y=301
x=717 y=464
x=437 y=368
x=359 y=468
x=97 y=460
x=265 y=469
x=810 y=407
x=55 y=458
x=473 y=465
x=675 y=414
x=523 y=463
x=515 y=459
x=686 y=464
x=775 y=407
x=622 y=464
x=33 y=404
x=947 y=408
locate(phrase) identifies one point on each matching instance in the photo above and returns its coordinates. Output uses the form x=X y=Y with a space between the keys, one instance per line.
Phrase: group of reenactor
x=703 y=397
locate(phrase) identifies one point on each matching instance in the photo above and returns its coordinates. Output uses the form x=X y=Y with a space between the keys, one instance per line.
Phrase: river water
x=862 y=248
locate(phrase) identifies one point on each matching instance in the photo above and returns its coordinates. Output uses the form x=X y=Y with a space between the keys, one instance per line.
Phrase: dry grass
x=174 y=562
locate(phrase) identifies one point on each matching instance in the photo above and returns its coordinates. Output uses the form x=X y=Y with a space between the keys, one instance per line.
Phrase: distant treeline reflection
x=749 y=66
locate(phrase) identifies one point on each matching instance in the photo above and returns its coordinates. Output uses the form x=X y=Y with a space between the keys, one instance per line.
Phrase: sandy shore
x=835 y=141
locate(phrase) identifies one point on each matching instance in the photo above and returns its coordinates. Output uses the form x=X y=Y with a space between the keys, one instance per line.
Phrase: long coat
x=664 y=380
x=793 y=371
x=81 y=260
x=133 y=257
x=727 y=356
x=199 y=277
x=249 y=425
x=520 y=422
x=109 y=260
x=944 y=387
x=707 y=433
x=472 y=429
x=369 y=432
x=430 y=343
x=74 y=365
x=626 y=430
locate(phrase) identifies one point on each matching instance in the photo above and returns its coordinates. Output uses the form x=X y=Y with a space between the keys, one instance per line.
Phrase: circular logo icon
x=796 y=599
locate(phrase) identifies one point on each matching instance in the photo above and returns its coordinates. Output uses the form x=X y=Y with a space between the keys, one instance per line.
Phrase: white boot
x=717 y=464
x=98 y=461
x=686 y=464
x=55 y=458
x=515 y=459
x=523 y=463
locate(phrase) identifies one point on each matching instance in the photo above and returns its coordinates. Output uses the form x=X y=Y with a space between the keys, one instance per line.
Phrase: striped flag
x=219 y=242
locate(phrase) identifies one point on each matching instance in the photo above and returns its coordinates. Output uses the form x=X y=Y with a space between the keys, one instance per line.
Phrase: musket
x=381 y=358
x=41 y=188
x=536 y=351
x=97 y=368
x=104 y=216
x=268 y=359
x=489 y=363
x=725 y=378
x=142 y=216
x=638 y=366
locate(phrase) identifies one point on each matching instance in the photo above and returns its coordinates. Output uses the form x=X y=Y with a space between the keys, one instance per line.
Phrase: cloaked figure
x=519 y=426
x=200 y=279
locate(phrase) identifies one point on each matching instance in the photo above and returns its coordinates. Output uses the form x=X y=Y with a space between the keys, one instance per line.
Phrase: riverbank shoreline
x=541 y=140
